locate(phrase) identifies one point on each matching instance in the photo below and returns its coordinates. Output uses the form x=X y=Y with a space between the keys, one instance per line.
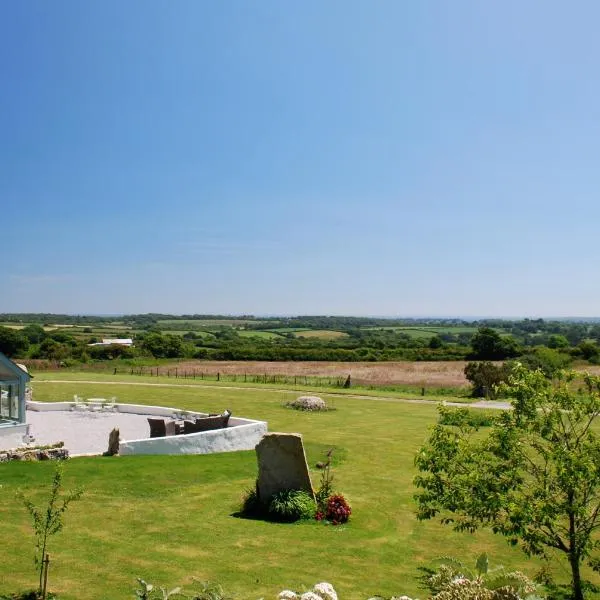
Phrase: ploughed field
x=431 y=374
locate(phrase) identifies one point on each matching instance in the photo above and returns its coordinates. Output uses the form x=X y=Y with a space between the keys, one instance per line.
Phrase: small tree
x=48 y=520
x=485 y=377
x=534 y=478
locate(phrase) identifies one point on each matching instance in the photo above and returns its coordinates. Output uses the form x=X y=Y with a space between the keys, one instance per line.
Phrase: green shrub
x=291 y=505
x=465 y=417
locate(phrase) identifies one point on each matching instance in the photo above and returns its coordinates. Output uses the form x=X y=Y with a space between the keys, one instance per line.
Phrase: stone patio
x=84 y=432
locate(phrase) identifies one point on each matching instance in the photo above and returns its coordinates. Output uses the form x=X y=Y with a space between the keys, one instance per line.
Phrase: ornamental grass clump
x=291 y=505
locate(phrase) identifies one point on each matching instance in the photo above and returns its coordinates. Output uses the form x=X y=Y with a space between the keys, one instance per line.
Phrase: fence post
x=218 y=376
x=245 y=378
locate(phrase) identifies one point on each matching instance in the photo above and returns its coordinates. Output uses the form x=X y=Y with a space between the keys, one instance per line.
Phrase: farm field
x=323 y=334
x=432 y=374
x=159 y=515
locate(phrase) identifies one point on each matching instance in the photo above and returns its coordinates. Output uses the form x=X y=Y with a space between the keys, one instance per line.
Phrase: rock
x=281 y=465
x=308 y=403
x=113 y=443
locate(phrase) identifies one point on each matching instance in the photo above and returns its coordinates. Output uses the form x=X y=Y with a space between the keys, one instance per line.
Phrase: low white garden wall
x=241 y=434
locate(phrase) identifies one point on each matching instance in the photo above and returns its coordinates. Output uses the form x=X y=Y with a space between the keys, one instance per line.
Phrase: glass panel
x=4 y=402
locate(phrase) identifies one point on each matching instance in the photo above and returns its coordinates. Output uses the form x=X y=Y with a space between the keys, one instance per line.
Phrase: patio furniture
x=210 y=423
x=158 y=427
x=171 y=428
x=189 y=427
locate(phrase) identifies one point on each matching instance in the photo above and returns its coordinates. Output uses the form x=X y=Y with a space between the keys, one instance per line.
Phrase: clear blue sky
x=337 y=157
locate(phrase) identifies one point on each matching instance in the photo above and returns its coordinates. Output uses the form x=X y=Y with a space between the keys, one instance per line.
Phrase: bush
x=461 y=417
x=291 y=505
x=485 y=378
x=338 y=510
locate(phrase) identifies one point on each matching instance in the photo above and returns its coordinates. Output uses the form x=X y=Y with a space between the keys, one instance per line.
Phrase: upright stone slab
x=281 y=465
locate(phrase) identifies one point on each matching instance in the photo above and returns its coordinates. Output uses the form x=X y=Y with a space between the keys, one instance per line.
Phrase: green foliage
x=28 y=595
x=147 y=591
x=291 y=505
x=556 y=341
x=549 y=361
x=507 y=584
x=163 y=346
x=534 y=478
x=485 y=378
x=465 y=417
x=48 y=521
x=12 y=342
x=206 y=590
x=488 y=344
x=326 y=483
x=203 y=590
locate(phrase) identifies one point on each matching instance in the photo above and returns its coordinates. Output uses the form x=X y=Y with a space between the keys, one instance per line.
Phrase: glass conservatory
x=13 y=381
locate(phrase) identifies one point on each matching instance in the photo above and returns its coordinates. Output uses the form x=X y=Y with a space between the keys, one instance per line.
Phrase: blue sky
x=339 y=157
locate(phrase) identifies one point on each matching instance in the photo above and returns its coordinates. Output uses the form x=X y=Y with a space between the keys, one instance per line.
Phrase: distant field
x=430 y=374
x=425 y=332
x=205 y=323
x=323 y=334
x=268 y=335
x=198 y=332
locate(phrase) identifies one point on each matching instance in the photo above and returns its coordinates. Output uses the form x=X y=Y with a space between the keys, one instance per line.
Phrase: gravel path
x=84 y=432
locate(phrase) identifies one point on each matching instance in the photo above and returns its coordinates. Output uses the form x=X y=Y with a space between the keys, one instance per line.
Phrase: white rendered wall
x=232 y=438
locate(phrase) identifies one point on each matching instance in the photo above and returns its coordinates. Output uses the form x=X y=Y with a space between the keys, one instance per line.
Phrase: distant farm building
x=113 y=342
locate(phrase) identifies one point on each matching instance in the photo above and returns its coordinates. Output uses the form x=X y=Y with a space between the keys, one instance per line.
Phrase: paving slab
x=85 y=432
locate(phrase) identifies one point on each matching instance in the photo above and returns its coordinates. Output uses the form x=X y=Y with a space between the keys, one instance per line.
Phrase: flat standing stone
x=281 y=465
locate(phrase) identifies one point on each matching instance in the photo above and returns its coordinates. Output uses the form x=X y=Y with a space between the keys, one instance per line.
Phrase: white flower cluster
x=321 y=591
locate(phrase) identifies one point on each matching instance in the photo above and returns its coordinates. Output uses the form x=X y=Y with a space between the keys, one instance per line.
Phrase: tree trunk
x=574 y=554
x=576 y=577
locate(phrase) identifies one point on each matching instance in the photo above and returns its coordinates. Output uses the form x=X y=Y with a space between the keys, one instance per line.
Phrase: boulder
x=113 y=443
x=281 y=465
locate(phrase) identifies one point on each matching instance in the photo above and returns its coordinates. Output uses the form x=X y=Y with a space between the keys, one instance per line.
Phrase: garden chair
x=171 y=428
x=157 y=427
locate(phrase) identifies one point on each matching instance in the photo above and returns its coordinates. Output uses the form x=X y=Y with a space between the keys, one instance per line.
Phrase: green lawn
x=166 y=519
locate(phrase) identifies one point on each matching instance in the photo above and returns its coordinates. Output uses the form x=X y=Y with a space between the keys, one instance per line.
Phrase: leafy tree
x=488 y=344
x=34 y=333
x=435 y=342
x=485 y=377
x=549 y=361
x=587 y=350
x=12 y=342
x=163 y=346
x=558 y=341
x=534 y=478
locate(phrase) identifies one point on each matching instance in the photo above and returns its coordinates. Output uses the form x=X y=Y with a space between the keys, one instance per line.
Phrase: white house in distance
x=113 y=342
x=13 y=382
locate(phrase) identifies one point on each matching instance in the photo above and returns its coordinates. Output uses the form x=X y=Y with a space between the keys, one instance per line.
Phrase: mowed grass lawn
x=168 y=518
